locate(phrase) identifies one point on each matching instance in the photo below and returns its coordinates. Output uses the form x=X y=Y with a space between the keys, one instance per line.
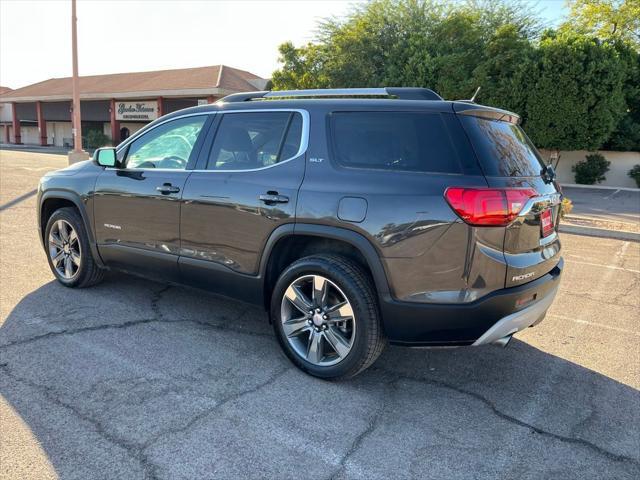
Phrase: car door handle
x=271 y=198
x=167 y=188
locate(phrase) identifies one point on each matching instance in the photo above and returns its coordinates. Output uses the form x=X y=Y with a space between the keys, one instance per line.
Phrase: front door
x=245 y=187
x=137 y=207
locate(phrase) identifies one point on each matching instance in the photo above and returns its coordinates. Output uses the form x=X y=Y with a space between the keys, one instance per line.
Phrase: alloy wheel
x=64 y=249
x=318 y=320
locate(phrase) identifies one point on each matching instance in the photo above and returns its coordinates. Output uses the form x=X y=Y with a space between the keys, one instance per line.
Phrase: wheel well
x=294 y=247
x=49 y=206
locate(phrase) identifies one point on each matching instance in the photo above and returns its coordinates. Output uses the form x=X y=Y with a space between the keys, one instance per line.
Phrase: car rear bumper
x=517 y=321
x=486 y=320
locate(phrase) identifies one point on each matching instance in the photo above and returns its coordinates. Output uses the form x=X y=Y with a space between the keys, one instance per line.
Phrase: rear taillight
x=488 y=206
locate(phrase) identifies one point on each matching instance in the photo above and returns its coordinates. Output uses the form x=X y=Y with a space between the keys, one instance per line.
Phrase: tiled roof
x=202 y=80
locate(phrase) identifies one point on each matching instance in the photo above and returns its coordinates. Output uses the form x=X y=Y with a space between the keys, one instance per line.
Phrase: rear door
x=245 y=187
x=509 y=160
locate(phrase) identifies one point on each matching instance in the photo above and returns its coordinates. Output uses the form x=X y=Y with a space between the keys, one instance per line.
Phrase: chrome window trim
x=304 y=140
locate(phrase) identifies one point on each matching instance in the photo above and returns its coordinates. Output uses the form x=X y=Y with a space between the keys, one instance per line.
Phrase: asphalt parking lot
x=605 y=204
x=133 y=379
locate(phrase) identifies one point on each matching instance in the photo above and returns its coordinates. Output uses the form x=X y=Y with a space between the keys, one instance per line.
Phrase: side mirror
x=105 y=157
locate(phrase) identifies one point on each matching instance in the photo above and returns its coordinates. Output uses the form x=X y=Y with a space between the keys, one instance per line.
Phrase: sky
x=137 y=35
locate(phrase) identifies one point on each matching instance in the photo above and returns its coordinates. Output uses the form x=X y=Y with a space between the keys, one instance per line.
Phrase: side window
x=246 y=141
x=409 y=141
x=166 y=146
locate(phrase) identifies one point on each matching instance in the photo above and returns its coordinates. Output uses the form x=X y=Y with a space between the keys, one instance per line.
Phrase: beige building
x=116 y=105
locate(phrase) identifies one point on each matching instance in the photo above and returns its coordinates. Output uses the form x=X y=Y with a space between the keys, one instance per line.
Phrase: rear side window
x=409 y=141
x=246 y=141
x=504 y=150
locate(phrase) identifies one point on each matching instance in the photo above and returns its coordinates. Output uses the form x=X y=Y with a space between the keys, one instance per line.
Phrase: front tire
x=68 y=250
x=325 y=315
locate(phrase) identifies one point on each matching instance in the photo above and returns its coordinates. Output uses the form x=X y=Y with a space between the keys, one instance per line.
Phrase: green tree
x=572 y=89
x=627 y=133
x=606 y=19
x=505 y=74
x=427 y=43
x=576 y=99
x=301 y=68
x=616 y=22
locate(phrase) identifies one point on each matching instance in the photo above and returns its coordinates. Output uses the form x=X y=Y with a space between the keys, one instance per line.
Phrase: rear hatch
x=511 y=163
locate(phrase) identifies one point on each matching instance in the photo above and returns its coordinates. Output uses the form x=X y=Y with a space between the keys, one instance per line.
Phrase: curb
x=603 y=223
x=599 y=232
x=599 y=187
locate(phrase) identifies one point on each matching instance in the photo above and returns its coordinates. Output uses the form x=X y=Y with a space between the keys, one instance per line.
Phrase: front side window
x=246 y=141
x=167 y=146
x=404 y=141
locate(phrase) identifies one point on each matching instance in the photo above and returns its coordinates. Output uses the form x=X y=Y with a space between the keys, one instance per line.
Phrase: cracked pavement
x=134 y=379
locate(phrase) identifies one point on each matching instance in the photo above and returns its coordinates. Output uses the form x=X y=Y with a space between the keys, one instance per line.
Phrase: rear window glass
x=410 y=141
x=504 y=150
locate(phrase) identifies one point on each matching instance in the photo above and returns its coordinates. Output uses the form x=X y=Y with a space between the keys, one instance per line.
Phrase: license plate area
x=546 y=222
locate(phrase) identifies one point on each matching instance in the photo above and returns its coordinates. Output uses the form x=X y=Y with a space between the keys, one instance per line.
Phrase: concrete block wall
x=621 y=163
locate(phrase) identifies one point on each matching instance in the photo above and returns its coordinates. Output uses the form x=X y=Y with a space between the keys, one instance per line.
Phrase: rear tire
x=325 y=315
x=68 y=250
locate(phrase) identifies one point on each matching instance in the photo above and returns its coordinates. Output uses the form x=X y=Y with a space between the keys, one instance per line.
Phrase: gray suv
x=355 y=217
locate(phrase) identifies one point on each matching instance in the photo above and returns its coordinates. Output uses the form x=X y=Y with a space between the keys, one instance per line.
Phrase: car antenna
x=473 y=98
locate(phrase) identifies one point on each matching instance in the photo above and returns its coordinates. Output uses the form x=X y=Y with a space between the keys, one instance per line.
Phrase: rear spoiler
x=480 y=111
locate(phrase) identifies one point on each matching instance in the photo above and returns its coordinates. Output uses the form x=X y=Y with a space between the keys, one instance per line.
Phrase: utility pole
x=77 y=154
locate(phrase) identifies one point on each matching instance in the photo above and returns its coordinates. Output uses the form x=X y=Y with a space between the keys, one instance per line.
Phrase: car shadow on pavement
x=18 y=199
x=132 y=379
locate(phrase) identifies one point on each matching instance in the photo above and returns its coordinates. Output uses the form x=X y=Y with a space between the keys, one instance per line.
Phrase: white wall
x=29 y=135
x=106 y=129
x=5 y=112
x=621 y=163
x=58 y=131
x=133 y=127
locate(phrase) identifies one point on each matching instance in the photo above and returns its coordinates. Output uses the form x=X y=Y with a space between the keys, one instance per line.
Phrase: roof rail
x=402 y=93
x=242 y=97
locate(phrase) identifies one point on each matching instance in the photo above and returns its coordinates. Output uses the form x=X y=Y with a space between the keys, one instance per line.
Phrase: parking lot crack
x=73 y=331
x=50 y=394
x=158 y=318
x=136 y=451
x=511 y=419
x=206 y=413
x=155 y=301
x=372 y=425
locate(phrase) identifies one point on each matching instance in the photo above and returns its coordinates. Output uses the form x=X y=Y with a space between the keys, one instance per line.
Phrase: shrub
x=565 y=207
x=576 y=100
x=96 y=139
x=591 y=170
x=635 y=174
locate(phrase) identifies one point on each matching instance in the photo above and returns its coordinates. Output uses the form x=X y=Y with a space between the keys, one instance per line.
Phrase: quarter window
x=167 y=146
x=409 y=141
x=246 y=141
x=503 y=148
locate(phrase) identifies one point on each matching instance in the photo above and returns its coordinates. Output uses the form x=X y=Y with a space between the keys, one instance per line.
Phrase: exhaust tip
x=503 y=342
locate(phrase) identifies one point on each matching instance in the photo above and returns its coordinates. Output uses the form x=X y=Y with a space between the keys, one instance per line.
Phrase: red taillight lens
x=488 y=206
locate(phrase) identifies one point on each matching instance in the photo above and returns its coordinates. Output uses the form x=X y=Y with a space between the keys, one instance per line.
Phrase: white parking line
x=37 y=169
x=611 y=195
x=612 y=267
x=594 y=324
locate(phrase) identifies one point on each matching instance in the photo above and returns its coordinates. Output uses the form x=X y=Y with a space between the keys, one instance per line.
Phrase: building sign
x=137 y=111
